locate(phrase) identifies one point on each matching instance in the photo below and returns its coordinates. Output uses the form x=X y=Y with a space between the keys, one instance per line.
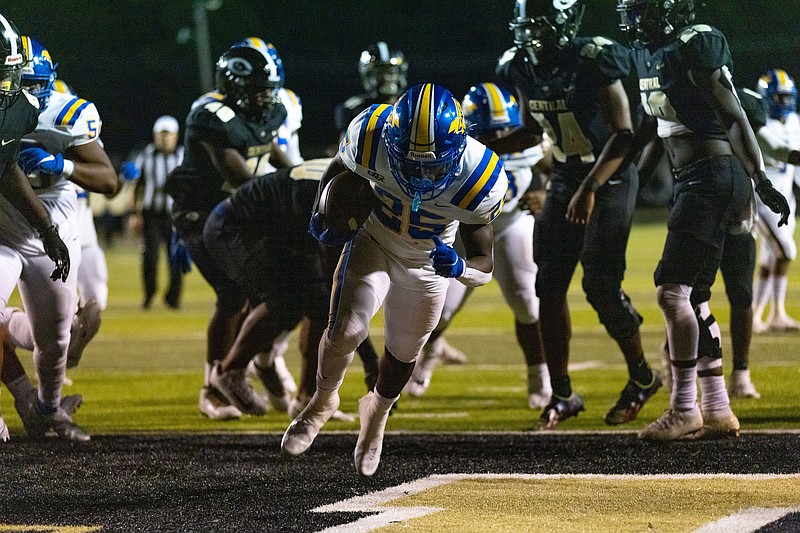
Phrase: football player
x=62 y=150
x=431 y=180
x=227 y=142
x=259 y=236
x=491 y=111
x=571 y=88
x=780 y=136
x=713 y=151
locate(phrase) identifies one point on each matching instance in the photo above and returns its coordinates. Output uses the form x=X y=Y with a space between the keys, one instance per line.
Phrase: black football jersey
x=196 y=184
x=564 y=101
x=755 y=107
x=345 y=112
x=276 y=208
x=19 y=115
x=665 y=86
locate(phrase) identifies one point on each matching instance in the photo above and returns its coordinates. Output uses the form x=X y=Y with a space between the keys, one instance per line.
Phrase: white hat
x=166 y=123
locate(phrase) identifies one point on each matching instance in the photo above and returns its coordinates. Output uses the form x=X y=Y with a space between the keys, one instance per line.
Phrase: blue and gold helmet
x=39 y=72
x=425 y=136
x=489 y=107
x=780 y=92
x=265 y=48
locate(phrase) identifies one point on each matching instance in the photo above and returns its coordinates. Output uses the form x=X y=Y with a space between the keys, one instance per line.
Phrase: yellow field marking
x=565 y=503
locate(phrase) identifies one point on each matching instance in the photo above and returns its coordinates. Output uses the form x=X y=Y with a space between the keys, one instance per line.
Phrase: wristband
x=590 y=184
x=472 y=277
x=69 y=168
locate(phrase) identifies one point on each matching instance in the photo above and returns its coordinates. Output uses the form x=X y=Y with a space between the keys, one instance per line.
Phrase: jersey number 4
x=572 y=140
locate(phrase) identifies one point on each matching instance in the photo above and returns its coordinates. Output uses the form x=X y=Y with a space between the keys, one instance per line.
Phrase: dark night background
x=125 y=55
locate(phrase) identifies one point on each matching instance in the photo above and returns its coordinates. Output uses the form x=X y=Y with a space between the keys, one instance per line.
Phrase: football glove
x=446 y=261
x=179 y=256
x=56 y=250
x=129 y=172
x=772 y=198
x=328 y=236
x=35 y=159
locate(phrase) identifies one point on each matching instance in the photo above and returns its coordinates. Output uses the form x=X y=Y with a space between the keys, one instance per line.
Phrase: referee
x=153 y=206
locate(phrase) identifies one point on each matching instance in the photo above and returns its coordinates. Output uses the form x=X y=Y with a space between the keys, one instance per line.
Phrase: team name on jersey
x=547 y=105
x=649 y=84
x=261 y=149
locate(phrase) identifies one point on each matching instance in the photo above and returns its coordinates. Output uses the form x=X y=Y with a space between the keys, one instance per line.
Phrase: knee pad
x=672 y=298
x=616 y=313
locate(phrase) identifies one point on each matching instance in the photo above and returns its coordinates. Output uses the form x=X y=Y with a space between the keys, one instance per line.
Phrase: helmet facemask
x=651 y=22
x=383 y=71
x=552 y=29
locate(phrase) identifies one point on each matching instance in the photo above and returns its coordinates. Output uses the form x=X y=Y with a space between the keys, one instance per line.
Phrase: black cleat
x=559 y=409
x=631 y=400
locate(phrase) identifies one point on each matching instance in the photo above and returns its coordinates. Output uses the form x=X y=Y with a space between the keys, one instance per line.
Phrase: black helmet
x=250 y=80
x=546 y=24
x=12 y=59
x=383 y=70
x=647 y=22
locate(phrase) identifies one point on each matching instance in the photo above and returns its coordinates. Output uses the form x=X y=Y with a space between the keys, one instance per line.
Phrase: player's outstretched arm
x=93 y=169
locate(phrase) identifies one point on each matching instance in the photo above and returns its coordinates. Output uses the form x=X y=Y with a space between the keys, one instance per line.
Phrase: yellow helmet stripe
x=781 y=77
x=496 y=106
x=421 y=134
x=27 y=46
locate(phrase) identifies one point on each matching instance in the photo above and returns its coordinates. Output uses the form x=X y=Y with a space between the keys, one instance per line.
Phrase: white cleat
x=234 y=385
x=740 y=385
x=4 y=436
x=216 y=406
x=85 y=326
x=296 y=405
x=367 y=454
x=783 y=324
x=274 y=388
x=306 y=426
x=417 y=387
x=449 y=354
x=674 y=425
x=287 y=380
x=759 y=327
x=718 y=425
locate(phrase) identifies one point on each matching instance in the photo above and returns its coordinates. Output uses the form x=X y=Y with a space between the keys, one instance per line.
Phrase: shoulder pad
x=690 y=32
x=217 y=109
x=70 y=112
x=608 y=56
x=354 y=102
x=508 y=55
x=704 y=47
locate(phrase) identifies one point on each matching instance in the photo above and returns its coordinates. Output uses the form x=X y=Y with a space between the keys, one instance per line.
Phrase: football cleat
x=718 y=425
x=759 y=326
x=85 y=326
x=71 y=403
x=283 y=372
x=674 y=425
x=38 y=424
x=449 y=354
x=740 y=385
x=367 y=454
x=417 y=387
x=4 y=436
x=216 y=406
x=306 y=426
x=783 y=324
x=274 y=388
x=298 y=404
x=234 y=385
x=559 y=409
x=630 y=402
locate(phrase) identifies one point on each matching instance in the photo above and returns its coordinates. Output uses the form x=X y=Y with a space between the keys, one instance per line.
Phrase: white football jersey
x=782 y=175
x=520 y=175
x=67 y=121
x=475 y=196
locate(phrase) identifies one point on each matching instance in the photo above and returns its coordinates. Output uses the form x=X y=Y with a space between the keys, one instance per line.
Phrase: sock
x=384 y=404
x=763 y=293
x=779 y=296
x=332 y=364
x=713 y=394
x=538 y=378
x=21 y=387
x=561 y=386
x=640 y=372
x=682 y=334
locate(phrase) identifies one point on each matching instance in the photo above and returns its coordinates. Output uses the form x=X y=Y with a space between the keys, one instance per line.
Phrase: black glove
x=772 y=198
x=56 y=250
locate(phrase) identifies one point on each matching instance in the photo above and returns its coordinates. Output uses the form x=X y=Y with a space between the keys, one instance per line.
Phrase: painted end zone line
x=375 y=502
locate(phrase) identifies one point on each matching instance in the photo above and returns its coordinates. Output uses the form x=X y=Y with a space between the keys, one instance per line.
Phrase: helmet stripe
x=383 y=49
x=781 y=74
x=496 y=104
x=11 y=34
x=421 y=133
x=27 y=46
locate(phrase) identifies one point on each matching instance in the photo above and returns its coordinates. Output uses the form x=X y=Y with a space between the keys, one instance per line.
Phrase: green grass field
x=144 y=369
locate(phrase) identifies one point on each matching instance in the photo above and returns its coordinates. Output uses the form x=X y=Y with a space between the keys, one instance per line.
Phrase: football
x=346 y=201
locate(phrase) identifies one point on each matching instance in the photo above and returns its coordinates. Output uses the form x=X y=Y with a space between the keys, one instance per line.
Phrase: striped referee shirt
x=155 y=167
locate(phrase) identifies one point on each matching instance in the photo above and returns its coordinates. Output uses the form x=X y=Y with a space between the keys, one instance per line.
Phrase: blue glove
x=328 y=236
x=35 y=159
x=179 y=255
x=129 y=172
x=446 y=261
